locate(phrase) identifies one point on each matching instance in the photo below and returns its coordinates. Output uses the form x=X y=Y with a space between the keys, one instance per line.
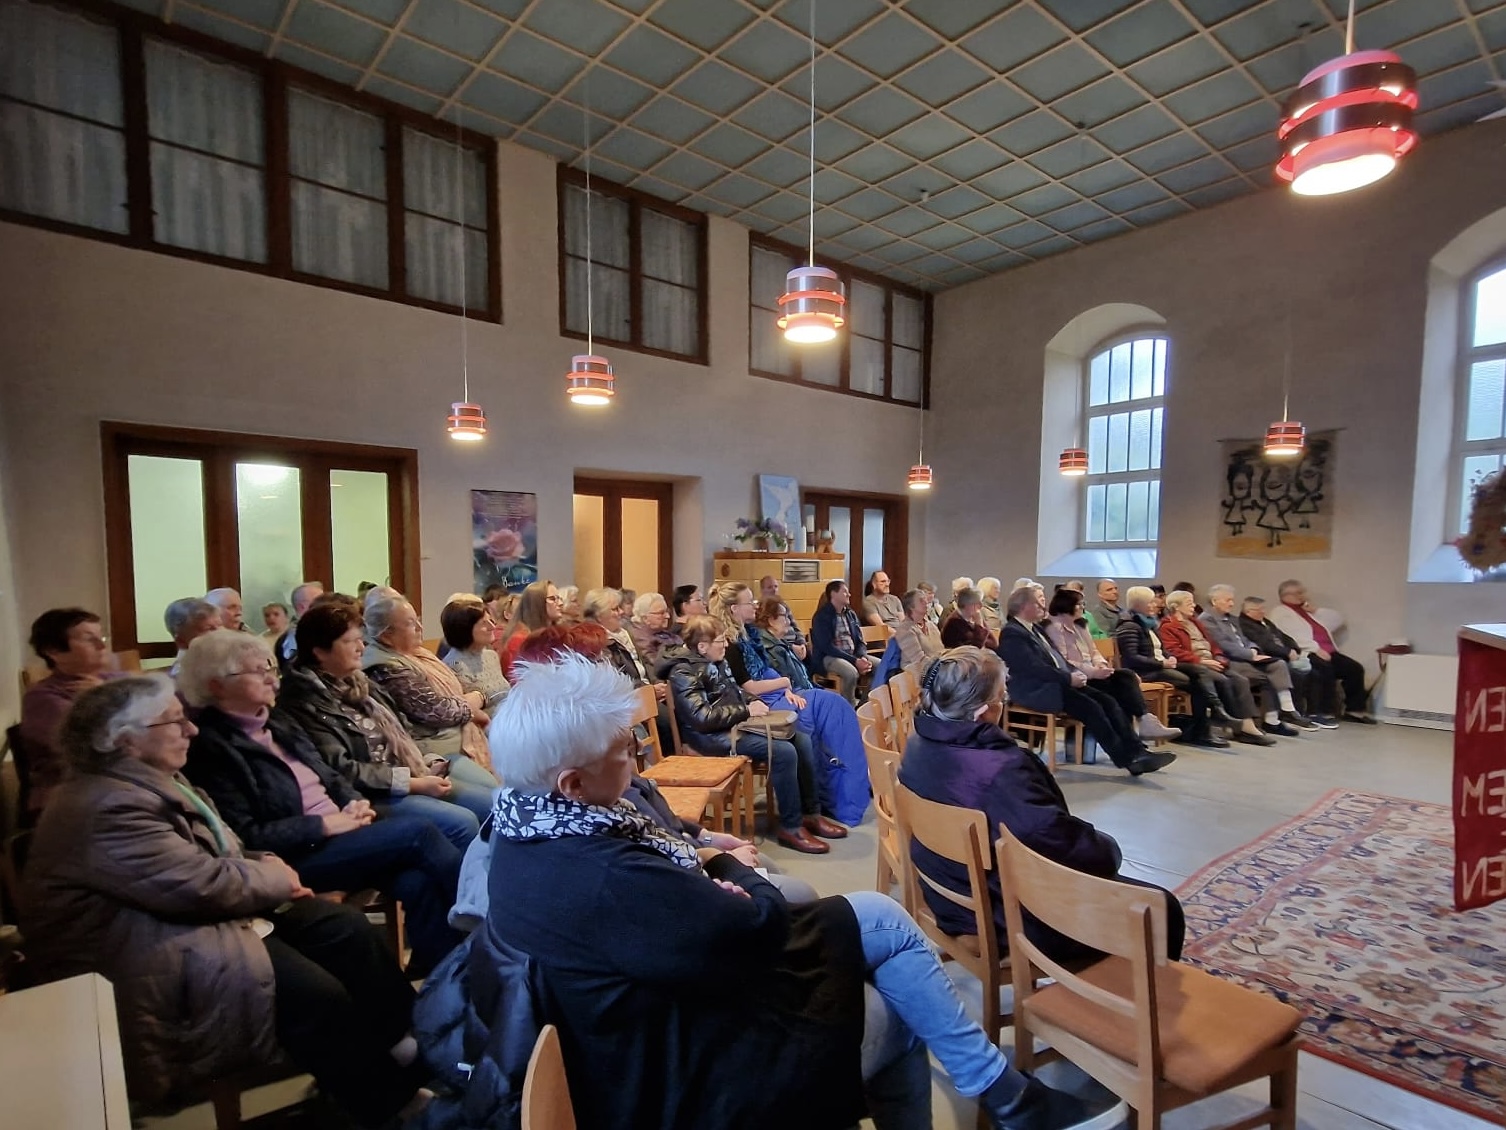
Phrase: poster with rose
x=504 y=539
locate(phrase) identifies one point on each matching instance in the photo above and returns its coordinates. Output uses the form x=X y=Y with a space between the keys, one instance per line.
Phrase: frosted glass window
x=1487 y=383
x=1137 y=522
x=1119 y=373
x=1115 y=511
x=640 y=544
x=1123 y=385
x=361 y=545
x=1490 y=309
x=873 y=542
x=1098 y=380
x=269 y=514
x=1095 y=509
x=1140 y=432
x=768 y=351
x=1118 y=442
x=866 y=368
x=908 y=375
x=590 y=541
x=338 y=162
x=167 y=538
x=440 y=182
x=1476 y=468
x=866 y=325
x=821 y=364
x=840 y=524
x=1098 y=444
x=909 y=320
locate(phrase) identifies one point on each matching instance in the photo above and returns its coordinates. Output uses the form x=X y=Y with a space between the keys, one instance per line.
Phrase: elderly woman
x=604 y=607
x=710 y=709
x=658 y=931
x=959 y=755
x=73 y=645
x=964 y=626
x=468 y=630
x=217 y=957
x=445 y=719
x=279 y=795
x=570 y=604
x=1067 y=629
x=652 y=629
x=1231 y=703
x=993 y=612
x=538 y=607
x=1137 y=633
x=917 y=637
x=823 y=716
x=357 y=732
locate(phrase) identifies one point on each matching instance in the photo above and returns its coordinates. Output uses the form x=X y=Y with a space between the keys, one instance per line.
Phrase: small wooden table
x=60 y=1060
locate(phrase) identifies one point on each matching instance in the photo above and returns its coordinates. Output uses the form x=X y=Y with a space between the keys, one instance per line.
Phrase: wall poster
x=504 y=539
x=1277 y=508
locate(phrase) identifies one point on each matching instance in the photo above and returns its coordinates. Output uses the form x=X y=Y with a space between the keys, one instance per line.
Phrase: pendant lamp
x=921 y=477
x=1073 y=462
x=811 y=307
x=590 y=381
x=1286 y=438
x=1349 y=123
x=466 y=422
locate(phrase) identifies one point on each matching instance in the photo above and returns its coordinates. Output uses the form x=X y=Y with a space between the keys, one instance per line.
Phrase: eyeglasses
x=554 y=600
x=260 y=672
x=183 y=724
x=92 y=641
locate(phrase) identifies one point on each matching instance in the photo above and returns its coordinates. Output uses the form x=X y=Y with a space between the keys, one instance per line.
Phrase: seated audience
x=1158 y=605
x=277 y=794
x=1067 y=630
x=301 y=599
x=274 y=618
x=445 y=719
x=652 y=631
x=824 y=717
x=570 y=605
x=881 y=608
x=933 y=602
x=625 y=609
x=468 y=631
x=1040 y=679
x=1104 y=613
x=837 y=646
x=768 y=589
x=687 y=601
x=993 y=615
x=1269 y=675
x=70 y=641
x=1073 y=586
x=658 y=932
x=1183 y=640
x=773 y=636
x=959 y=585
x=357 y=732
x=538 y=607
x=963 y=626
x=1316 y=632
x=710 y=707
x=1187 y=587
x=603 y=606
x=1138 y=638
x=218 y=958
x=1271 y=640
x=918 y=638
x=186 y=620
x=959 y=755
x=232 y=610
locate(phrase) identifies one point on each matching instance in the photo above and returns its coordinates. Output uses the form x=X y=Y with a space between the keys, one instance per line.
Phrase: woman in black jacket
x=710 y=706
x=278 y=795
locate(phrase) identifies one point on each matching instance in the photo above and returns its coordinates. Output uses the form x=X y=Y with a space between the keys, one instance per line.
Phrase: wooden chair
x=1157 y=1033
x=433 y=645
x=960 y=835
x=1160 y=698
x=688 y=804
x=729 y=779
x=880 y=711
x=546 y=1092
x=1038 y=730
x=646 y=714
x=904 y=689
x=876 y=638
x=883 y=775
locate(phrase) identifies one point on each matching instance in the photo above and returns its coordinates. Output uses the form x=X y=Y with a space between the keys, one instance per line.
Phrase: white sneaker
x=1151 y=728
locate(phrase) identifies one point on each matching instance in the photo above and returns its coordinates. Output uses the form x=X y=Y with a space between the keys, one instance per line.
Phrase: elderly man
x=1271 y=640
x=768 y=589
x=232 y=610
x=302 y=597
x=1316 y=631
x=1040 y=679
x=1104 y=612
x=186 y=620
x=1269 y=674
x=881 y=608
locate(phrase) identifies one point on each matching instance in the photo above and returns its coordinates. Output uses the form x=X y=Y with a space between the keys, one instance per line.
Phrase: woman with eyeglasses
x=538 y=607
x=653 y=630
x=218 y=956
x=687 y=601
x=276 y=792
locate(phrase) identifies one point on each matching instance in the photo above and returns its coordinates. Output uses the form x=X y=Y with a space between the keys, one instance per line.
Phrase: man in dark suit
x=1040 y=679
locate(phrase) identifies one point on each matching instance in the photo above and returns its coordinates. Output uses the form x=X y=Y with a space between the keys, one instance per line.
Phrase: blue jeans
x=792 y=769
x=925 y=1008
x=455 y=819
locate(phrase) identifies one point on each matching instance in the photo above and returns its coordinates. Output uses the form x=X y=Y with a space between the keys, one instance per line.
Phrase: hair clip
x=928 y=680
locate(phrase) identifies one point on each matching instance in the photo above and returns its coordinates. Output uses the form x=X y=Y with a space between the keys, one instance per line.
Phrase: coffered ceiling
x=954 y=138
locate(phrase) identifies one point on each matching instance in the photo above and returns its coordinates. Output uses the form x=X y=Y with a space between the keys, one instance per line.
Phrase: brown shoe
x=802 y=841
x=826 y=829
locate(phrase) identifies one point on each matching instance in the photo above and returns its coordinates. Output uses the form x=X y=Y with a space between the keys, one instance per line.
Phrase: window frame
x=134 y=28
x=1469 y=356
x=567 y=178
x=1086 y=413
x=848 y=274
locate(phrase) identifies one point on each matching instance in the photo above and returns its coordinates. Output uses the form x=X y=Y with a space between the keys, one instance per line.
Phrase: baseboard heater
x=1419 y=690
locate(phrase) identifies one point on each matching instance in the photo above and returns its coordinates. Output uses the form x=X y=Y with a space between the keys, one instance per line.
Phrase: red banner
x=1480 y=773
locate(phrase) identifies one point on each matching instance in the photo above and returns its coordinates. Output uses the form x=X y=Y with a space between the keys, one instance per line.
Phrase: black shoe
x=1324 y=721
x=1291 y=718
x=1039 y=1107
x=1252 y=739
x=1207 y=739
x=1221 y=717
x=1362 y=719
x=1149 y=762
x=1280 y=729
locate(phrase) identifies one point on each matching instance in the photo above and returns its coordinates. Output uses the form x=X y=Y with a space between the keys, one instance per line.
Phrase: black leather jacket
x=708 y=702
x=1136 y=651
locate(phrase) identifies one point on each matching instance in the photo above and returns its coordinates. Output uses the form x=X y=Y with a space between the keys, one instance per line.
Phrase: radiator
x=1419 y=690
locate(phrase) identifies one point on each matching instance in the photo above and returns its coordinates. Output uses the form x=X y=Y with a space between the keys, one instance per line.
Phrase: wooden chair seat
x=730 y=780
x=1039 y=728
x=689 y=804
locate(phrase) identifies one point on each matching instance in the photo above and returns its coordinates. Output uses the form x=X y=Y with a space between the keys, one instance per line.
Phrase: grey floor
x=1169 y=825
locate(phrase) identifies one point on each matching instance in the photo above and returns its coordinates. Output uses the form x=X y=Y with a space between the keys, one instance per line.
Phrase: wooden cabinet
x=802 y=576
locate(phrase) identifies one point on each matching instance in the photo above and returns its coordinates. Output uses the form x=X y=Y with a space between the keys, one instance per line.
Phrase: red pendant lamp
x=1349 y=123
x=1286 y=438
x=590 y=381
x=466 y=422
x=1073 y=462
x=921 y=476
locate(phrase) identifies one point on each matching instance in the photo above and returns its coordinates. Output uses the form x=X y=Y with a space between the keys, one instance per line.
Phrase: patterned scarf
x=528 y=817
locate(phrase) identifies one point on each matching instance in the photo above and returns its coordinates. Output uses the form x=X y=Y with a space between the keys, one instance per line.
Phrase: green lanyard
x=215 y=825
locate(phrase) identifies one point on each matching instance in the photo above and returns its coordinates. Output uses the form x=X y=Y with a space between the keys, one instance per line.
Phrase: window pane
x=1098 y=380
x=1098 y=444
x=1137 y=522
x=768 y=352
x=1139 y=440
x=873 y=542
x=1155 y=437
x=1490 y=309
x=1487 y=383
x=1143 y=362
x=336 y=145
x=866 y=309
x=359 y=538
x=907 y=375
x=671 y=248
x=1095 y=512
x=203 y=104
x=1118 y=441
x=611 y=227
x=909 y=321
x=1115 y=508
x=1153 y=525
x=866 y=365
x=839 y=519
x=62 y=169
x=1119 y=373
x=769 y=269
x=611 y=306
x=60 y=60
x=269 y=510
x=339 y=236
x=821 y=364
x=640 y=544
x=167 y=537
x=1476 y=467
x=430 y=184
x=1158 y=384
x=671 y=318
x=433 y=262
x=206 y=204
x=590 y=541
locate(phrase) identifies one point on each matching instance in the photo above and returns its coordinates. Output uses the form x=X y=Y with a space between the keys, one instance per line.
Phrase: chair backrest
x=905 y=691
x=433 y=645
x=546 y=1092
x=646 y=714
x=1108 y=647
x=129 y=660
x=21 y=761
x=957 y=834
x=882 y=702
x=872 y=722
x=876 y=634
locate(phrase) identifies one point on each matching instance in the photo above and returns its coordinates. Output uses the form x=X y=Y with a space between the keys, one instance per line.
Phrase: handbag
x=776 y=725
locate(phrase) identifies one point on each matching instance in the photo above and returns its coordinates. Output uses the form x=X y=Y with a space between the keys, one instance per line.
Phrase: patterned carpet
x=1346 y=913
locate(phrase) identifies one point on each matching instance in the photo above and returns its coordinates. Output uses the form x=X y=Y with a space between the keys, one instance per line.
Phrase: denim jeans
x=793 y=772
x=905 y=971
x=456 y=820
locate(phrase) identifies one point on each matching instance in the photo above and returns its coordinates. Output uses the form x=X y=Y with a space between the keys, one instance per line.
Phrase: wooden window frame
x=1089 y=412
x=134 y=27
x=612 y=492
x=848 y=275
x=896 y=534
x=637 y=203
x=220 y=451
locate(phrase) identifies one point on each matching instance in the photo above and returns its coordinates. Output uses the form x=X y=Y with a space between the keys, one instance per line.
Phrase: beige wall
x=1354 y=272
x=90 y=331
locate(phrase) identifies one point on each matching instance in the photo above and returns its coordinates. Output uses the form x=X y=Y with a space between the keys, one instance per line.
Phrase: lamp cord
x=1349 y=31
x=465 y=374
x=1286 y=378
x=811 y=257
x=586 y=145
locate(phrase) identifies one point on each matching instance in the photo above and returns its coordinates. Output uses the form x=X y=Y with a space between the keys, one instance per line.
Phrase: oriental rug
x=1346 y=913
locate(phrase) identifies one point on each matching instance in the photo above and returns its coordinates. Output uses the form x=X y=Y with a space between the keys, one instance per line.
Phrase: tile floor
x=1170 y=824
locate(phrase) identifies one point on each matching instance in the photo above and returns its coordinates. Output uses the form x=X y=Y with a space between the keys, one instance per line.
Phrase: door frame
x=896 y=532
x=612 y=492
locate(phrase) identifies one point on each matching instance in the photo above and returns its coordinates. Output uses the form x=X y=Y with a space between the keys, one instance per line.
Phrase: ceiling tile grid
x=953 y=137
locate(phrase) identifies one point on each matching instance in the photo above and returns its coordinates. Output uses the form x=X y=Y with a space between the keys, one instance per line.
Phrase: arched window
x=1480 y=418
x=1123 y=398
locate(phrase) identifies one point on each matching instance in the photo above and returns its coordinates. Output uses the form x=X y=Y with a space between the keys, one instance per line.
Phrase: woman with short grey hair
x=218 y=958
x=653 y=630
x=604 y=606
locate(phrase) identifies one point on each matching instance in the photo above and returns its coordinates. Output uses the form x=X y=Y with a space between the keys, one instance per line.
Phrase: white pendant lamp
x=590 y=381
x=466 y=422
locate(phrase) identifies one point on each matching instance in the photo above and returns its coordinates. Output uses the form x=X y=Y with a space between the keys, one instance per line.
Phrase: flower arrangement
x=1483 y=547
x=770 y=530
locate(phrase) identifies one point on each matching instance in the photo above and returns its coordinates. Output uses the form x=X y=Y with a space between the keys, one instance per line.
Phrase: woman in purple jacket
x=958 y=755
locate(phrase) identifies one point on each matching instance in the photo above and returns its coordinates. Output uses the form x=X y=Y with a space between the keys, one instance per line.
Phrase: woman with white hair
x=715 y=1002
x=444 y=718
x=1183 y=638
x=604 y=606
x=218 y=957
x=1138 y=635
x=652 y=629
x=278 y=794
x=993 y=614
